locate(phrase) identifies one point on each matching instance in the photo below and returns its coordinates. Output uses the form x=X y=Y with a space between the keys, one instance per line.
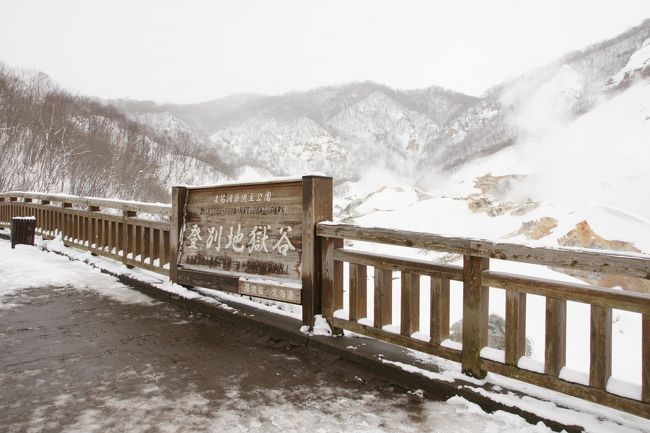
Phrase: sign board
x=247 y=238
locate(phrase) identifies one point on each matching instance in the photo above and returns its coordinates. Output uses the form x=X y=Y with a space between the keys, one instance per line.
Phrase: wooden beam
x=179 y=194
x=439 y=328
x=624 y=300
x=384 y=261
x=473 y=320
x=410 y=304
x=317 y=206
x=383 y=299
x=595 y=261
x=358 y=291
x=600 y=347
x=555 y=350
x=515 y=338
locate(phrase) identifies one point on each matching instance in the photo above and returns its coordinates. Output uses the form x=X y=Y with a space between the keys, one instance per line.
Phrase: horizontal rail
x=585 y=392
x=419 y=345
x=633 y=265
x=135 y=241
x=124 y=205
x=612 y=298
x=452 y=272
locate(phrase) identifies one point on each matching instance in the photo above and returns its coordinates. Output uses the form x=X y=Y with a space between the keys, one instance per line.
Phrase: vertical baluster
x=383 y=297
x=143 y=243
x=439 y=309
x=358 y=291
x=515 y=344
x=410 y=303
x=600 y=366
x=555 y=356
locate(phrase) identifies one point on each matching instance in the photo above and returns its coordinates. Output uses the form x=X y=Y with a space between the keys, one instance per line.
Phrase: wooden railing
x=477 y=279
x=135 y=233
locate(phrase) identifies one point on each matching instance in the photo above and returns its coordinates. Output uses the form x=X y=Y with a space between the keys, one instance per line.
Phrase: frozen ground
x=80 y=352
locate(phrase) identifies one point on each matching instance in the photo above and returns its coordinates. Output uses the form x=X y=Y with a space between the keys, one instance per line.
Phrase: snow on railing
x=135 y=233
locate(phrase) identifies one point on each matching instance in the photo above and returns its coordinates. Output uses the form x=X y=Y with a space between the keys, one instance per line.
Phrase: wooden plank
x=152 y=245
x=421 y=267
x=210 y=280
x=398 y=339
x=327 y=278
x=127 y=235
x=276 y=292
x=109 y=236
x=440 y=304
x=151 y=208
x=143 y=243
x=383 y=297
x=473 y=322
x=600 y=366
x=358 y=291
x=628 y=264
x=645 y=358
x=338 y=278
x=515 y=338
x=594 y=395
x=317 y=206
x=624 y=300
x=485 y=307
x=410 y=303
x=555 y=350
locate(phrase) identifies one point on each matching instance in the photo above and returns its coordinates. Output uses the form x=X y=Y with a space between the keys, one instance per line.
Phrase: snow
x=24 y=268
x=638 y=60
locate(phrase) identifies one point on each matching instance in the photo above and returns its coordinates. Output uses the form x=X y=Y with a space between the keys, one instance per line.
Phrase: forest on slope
x=54 y=141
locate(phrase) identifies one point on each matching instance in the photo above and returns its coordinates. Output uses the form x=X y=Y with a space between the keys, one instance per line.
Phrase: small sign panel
x=243 y=230
x=270 y=291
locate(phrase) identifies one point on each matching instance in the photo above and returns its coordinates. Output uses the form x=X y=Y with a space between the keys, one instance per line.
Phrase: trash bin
x=22 y=230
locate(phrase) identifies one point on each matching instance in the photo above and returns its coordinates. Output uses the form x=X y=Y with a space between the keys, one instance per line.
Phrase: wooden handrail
x=124 y=205
x=630 y=264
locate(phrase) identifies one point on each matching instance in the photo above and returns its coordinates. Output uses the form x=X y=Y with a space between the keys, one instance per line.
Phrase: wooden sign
x=233 y=236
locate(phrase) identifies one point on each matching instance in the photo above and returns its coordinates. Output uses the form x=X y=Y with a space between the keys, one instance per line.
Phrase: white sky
x=191 y=51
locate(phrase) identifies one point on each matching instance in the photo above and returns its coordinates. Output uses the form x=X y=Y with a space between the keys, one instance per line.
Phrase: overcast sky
x=191 y=51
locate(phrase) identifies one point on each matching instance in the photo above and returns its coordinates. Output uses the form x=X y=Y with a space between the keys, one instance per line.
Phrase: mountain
x=339 y=130
x=348 y=129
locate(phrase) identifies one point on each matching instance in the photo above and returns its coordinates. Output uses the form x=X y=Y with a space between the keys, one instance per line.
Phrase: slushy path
x=76 y=360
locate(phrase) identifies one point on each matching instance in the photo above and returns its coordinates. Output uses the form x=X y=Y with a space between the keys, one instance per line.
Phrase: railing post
x=179 y=194
x=316 y=207
x=473 y=315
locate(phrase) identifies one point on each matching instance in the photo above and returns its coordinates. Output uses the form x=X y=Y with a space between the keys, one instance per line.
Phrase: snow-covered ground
x=339 y=410
x=330 y=409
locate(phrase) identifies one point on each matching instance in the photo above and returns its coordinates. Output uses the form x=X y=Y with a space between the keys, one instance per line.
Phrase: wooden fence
x=138 y=235
x=477 y=279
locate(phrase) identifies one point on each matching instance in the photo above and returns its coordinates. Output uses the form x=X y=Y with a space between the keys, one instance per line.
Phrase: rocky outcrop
x=493 y=196
x=496 y=333
x=583 y=236
x=535 y=229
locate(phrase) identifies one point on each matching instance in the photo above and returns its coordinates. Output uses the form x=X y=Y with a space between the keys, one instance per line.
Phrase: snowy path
x=74 y=359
